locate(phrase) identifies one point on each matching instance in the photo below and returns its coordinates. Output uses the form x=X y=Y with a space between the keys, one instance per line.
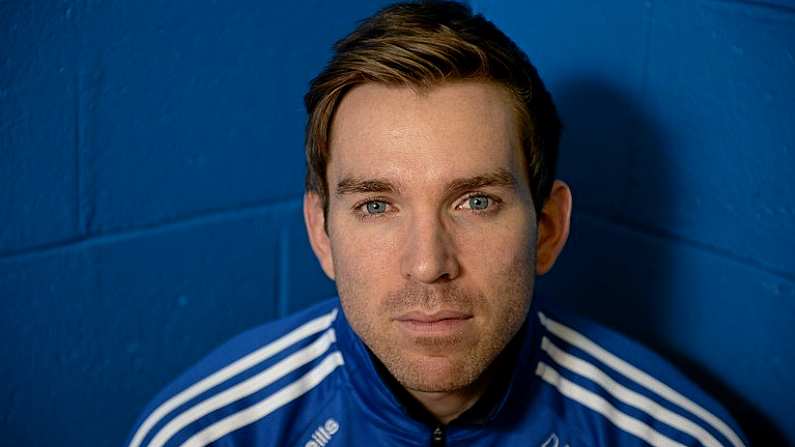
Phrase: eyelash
x=357 y=208
x=494 y=205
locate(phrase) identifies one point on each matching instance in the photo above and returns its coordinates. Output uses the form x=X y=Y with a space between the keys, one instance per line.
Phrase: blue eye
x=478 y=203
x=375 y=207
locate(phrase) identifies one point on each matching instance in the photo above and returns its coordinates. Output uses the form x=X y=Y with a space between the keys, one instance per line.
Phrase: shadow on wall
x=611 y=268
x=617 y=267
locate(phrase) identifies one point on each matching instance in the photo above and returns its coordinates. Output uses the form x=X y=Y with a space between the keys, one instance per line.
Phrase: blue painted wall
x=680 y=150
x=151 y=171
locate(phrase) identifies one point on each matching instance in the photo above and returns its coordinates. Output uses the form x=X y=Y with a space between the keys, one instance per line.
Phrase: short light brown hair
x=422 y=44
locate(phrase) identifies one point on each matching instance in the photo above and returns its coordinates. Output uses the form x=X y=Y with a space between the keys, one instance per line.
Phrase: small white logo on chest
x=553 y=441
x=322 y=435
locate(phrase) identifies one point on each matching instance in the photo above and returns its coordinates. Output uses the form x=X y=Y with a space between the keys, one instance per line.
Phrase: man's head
x=431 y=146
x=421 y=45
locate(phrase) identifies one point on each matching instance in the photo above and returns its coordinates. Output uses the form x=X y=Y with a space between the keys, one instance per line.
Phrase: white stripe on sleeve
x=600 y=405
x=268 y=405
x=626 y=395
x=576 y=339
x=312 y=327
x=245 y=388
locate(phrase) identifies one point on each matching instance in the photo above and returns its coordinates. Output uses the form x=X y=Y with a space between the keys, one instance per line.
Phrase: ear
x=315 y=220
x=553 y=226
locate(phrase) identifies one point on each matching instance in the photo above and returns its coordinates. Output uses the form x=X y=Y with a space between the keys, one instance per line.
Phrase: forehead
x=452 y=129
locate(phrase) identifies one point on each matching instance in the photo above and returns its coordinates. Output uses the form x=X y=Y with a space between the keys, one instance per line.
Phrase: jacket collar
x=384 y=399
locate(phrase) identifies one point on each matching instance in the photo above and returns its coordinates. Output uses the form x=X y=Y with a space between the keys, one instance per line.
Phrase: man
x=431 y=201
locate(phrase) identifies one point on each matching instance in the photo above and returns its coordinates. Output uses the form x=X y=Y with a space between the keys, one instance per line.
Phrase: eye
x=477 y=203
x=374 y=207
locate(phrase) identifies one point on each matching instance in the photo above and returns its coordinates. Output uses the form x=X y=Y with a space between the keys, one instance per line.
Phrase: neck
x=447 y=406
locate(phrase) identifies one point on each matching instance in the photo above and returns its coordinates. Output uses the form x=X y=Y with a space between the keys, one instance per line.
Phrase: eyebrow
x=352 y=185
x=499 y=178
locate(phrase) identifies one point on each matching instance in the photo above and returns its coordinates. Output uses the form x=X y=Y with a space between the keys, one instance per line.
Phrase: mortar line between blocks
x=153 y=228
x=78 y=142
x=658 y=233
x=283 y=269
x=761 y=4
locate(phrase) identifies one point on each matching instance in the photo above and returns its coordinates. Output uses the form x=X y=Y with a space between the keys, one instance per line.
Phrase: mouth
x=437 y=323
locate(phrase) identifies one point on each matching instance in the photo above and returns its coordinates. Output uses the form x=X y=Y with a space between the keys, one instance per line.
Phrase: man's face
x=431 y=227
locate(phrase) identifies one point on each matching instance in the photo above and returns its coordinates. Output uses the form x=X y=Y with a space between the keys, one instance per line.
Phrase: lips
x=445 y=323
x=442 y=315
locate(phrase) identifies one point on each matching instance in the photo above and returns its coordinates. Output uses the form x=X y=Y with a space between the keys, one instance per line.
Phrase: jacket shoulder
x=627 y=389
x=255 y=374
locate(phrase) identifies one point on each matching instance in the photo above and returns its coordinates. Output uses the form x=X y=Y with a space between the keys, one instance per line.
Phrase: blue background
x=151 y=171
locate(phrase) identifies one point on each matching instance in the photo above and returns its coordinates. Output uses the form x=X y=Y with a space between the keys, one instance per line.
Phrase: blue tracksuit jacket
x=309 y=381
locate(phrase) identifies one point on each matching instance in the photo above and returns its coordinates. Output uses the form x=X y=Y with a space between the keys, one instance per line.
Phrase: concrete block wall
x=151 y=175
x=679 y=145
x=151 y=170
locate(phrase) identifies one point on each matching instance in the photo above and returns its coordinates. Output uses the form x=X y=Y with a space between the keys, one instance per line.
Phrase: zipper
x=437 y=436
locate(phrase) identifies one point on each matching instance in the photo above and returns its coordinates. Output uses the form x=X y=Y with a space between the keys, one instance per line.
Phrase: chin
x=436 y=374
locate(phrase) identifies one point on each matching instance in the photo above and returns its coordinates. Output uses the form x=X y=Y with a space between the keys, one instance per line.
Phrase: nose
x=429 y=252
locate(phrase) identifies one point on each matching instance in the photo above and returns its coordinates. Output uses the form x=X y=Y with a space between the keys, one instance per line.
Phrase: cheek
x=506 y=246
x=510 y=281
x=365 y=267
x=500 y=264
x=362 y=255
